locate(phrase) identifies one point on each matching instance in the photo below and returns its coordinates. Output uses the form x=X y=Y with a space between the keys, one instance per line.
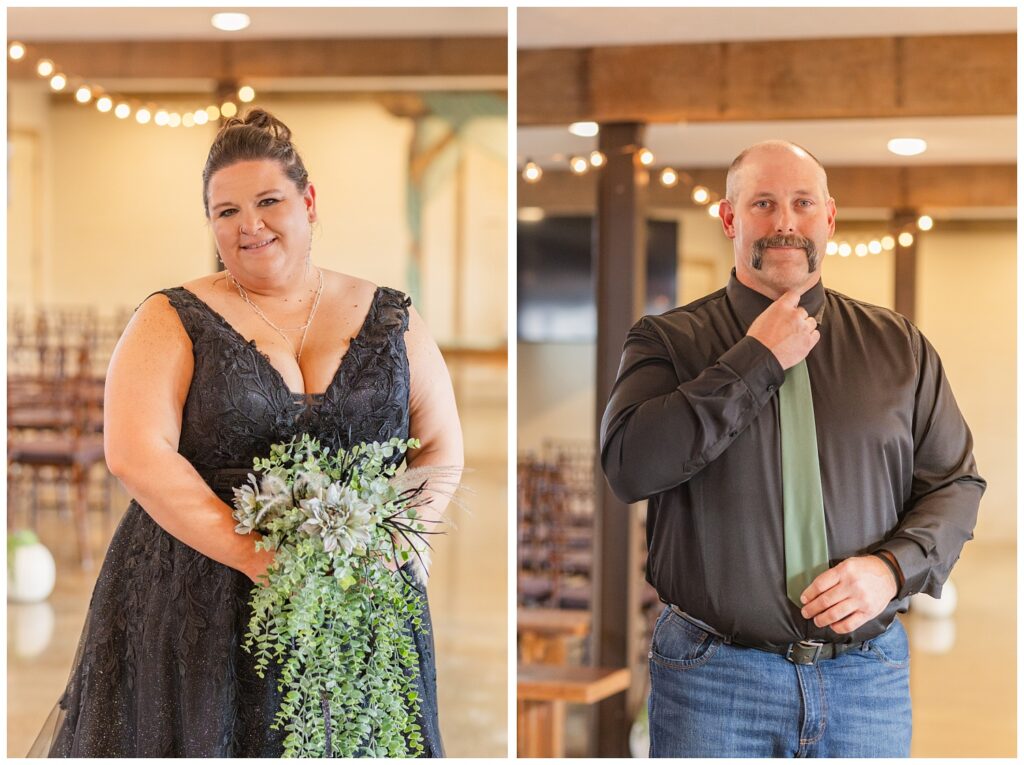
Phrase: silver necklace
x=305 y=327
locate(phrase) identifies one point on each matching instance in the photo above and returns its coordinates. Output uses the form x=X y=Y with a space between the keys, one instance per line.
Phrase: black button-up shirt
x=693 y=425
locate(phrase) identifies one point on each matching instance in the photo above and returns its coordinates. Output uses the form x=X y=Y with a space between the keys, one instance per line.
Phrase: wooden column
x=905 y=263
x=619 y=265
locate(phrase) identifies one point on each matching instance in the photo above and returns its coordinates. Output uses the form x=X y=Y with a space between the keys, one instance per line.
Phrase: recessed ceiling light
x=584 y=129
x=907 y=147
x=230 y=22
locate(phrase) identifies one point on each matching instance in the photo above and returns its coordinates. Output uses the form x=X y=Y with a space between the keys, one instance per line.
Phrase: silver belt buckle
x=797 y=652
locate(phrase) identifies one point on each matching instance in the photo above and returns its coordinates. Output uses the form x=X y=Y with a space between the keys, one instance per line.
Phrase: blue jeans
x=709 y=699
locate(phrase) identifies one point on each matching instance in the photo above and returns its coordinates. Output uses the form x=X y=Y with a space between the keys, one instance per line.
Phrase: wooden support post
x=905 y=263
x=619 y=264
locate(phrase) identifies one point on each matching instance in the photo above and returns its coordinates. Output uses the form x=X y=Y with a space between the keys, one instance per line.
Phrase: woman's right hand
x=257 y=566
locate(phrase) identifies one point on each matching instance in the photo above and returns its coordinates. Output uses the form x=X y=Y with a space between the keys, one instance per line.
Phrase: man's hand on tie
x=786 y=329
x=849 y=594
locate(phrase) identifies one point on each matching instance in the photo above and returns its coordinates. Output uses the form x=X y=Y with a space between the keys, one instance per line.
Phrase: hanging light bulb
x=173 y=119
x=646 y=157
x=530 y=214
x=45 y=67
x=700 y=194
x=228 y=109
x=16 y=51
x=188 y=119
x=200 y=116
x=246 y=94
x=597 y=159
x=83 y=95
x=874 y=247
x=845 y=249
x=925 y=223
x=831 y=248
x=162 y=118
x=58 y=81
x=122 y=111
x=669 y=177
x=861 y=249
x=213 y=112
x=104 y=104
x=579 y=165
x=906 y=239
x=532 y=172
x=142 y=116
x=713 y=209
x=888 y=243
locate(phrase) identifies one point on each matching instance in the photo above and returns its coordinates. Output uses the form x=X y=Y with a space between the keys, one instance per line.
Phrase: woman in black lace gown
x=205 y=378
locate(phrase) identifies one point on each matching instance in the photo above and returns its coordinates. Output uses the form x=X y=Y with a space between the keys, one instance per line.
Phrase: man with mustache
x=807 y=471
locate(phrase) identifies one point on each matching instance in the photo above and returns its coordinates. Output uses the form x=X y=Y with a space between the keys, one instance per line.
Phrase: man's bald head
x=733 y=178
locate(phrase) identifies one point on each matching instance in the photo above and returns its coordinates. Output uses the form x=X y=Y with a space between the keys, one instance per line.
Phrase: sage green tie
x=803 y=510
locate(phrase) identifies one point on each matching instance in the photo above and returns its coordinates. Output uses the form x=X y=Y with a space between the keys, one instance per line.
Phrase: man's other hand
x=849 y=594
x=786 y=329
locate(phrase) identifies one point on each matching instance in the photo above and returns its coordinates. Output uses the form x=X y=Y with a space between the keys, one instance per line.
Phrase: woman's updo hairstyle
x=257 y=135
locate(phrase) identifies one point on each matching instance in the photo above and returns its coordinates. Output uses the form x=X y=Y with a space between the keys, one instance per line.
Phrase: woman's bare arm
x=147 y=382
x=434 y=420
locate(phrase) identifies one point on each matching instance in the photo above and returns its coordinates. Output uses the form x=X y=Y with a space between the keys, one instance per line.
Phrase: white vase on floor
x=935 y=608
x=31 y=573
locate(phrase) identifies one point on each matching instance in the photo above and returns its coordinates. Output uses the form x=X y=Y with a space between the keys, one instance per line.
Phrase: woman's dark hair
x=257 y=135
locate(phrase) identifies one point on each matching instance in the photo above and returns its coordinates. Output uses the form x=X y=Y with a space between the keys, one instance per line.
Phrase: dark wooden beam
x=838 y=78
x=230 y=60
x=619 y=260
x=905 y=264
x=925 y=186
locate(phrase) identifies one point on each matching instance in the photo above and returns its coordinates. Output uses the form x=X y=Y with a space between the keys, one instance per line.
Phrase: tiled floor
x=467 y=593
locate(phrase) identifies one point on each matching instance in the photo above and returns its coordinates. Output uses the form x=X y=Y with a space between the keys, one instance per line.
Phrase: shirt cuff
x=756 y=366
x=914 y=566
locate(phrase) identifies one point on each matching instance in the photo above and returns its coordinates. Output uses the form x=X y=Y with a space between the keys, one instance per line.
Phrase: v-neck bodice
x=309 y=398
x=238 y=403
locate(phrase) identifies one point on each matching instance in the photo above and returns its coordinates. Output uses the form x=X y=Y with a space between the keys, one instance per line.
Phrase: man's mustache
x=784 y=240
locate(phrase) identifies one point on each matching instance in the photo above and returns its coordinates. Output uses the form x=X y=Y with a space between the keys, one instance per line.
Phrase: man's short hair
x=775 y=143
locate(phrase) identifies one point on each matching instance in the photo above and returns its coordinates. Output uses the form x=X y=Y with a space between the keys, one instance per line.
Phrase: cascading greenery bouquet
x=340 y=603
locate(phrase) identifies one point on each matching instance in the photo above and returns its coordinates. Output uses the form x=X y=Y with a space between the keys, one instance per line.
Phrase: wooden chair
x=71 y=442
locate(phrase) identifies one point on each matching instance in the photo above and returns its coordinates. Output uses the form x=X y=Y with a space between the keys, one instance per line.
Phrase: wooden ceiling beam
x=233 y=60
x=925 y=186
x=840 y=78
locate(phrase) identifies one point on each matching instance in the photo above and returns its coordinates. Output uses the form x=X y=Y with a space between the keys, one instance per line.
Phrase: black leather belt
x=803 y=652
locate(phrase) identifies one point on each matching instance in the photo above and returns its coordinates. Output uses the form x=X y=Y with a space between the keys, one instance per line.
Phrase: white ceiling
x=584 y=27
x=951 y=140
x=29 y=24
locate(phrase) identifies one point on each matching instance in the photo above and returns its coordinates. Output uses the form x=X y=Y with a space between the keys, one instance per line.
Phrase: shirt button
x=771 y=388
x=732 y=434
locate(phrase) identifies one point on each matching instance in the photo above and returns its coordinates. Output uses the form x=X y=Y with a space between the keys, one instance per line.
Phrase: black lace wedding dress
x=160 y=671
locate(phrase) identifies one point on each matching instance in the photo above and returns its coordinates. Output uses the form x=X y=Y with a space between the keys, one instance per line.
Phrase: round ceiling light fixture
x=907 y=147
x=230 y=22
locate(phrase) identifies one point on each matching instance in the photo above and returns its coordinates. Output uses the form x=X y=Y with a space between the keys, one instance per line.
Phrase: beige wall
x=122 y=208
x=966 y=307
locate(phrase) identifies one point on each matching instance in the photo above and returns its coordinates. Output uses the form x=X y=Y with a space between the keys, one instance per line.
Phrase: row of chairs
x=556 y=490
x=55 y=433
x=555 y=526
x=45 y=343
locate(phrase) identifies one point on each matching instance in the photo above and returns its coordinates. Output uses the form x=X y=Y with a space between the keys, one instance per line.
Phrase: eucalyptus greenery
x=338 y=608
